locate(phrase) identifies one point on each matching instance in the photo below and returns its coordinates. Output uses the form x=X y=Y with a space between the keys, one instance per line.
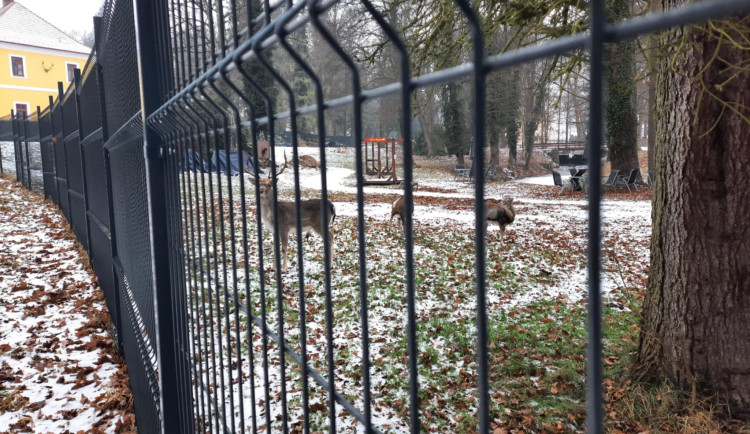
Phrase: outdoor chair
x=558 y=181
x=489 y=172
x=576 y=179
x=629 y=181
x=612 y=179
x=461 y=172
x=625 y=177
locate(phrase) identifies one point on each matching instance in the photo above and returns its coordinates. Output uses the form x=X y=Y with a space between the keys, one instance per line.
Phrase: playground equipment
x=380 y=160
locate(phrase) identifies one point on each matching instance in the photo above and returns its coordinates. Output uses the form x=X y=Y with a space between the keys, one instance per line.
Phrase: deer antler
x=283 y=168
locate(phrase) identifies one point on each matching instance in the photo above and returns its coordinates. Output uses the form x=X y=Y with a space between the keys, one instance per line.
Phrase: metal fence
x=25 y=152
x=211 y=341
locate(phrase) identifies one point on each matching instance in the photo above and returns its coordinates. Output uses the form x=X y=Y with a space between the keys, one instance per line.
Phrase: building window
x=17 y=66
x=22 y=109
x=70 y=68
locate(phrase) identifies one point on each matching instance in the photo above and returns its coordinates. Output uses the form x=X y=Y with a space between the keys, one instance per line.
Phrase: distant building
x=34 y=57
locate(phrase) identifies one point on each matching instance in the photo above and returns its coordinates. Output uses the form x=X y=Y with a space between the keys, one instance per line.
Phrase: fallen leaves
x=54 y=320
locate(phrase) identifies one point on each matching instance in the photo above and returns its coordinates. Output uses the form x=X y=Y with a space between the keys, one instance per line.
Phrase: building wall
x=44 y=68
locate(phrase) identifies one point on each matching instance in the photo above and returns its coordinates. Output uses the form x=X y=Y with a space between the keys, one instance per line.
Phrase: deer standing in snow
x=502 y=213
x=397 y=208
x=311 y=215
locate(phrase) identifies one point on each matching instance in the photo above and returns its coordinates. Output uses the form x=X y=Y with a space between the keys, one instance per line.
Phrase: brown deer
x=309 y=161
x=502 y=213
x=397 y=208
x=311 y=215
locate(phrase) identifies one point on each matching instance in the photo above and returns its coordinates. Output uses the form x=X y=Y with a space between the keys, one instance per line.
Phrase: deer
x=397 y=208
x=311 y=215
x=309 y=161
x=502 y=213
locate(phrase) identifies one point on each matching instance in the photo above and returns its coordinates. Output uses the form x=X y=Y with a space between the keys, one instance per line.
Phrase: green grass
x=536 y=350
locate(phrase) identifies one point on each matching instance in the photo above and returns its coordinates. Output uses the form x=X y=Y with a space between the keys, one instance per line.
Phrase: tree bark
x=620 y=103
x=427 y=130
x=651 y=125
x=696 y=313
x=532 y=122
x=653 y=44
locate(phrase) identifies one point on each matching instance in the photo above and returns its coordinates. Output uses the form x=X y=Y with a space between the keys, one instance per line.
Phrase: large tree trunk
x=620 y=105
x=653 y=44
x=494 y=142
x=427 y=131
x=580 y=121
x=532 y=122
x=696 y=313
x=620 y=96
x=651 y=125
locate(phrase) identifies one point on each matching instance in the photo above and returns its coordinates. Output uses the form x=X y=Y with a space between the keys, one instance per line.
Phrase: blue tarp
x=193 y=161
x=219 y=163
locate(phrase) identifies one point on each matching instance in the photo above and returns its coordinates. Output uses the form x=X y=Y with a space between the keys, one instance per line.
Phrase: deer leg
x=284 y=241
x=330 y=243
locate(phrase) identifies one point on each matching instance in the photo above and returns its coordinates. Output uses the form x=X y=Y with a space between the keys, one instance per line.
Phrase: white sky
x=68 y=16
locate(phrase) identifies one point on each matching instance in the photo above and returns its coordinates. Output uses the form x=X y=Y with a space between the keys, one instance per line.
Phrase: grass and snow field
x=536 y=296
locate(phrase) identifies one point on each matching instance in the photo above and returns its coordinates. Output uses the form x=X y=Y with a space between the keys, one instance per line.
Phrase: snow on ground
x=543 y=251
x=59 y=371
x=542 y=257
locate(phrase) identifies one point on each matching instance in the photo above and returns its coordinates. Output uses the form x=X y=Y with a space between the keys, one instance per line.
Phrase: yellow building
x=34 y=57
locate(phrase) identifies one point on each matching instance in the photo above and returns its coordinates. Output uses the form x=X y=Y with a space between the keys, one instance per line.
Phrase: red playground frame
x=380 y=160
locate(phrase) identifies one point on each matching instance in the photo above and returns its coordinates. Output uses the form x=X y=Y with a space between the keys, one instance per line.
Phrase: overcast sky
x=68 y=16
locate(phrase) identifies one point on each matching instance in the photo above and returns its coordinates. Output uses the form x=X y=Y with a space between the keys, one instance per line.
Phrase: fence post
x=116 y=315
x=26 y=148
x=151 y=23
x=594 y=391
x=54 y=151
x=100 y=78
x=41 y=154
x=76 y=94
x=60 y=99
x=15 y=143
x=21 y=143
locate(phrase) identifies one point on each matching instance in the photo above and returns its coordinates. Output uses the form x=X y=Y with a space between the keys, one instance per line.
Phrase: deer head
x=266 y=184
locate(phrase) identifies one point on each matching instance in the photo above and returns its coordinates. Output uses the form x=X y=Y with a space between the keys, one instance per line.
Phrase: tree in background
x=534 y=106
x=454 y=123
x=621 y=132
x=262 y=78
x=503 y=104
x=696 y=310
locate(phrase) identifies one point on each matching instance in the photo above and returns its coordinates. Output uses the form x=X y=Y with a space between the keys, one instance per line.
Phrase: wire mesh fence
x=154 y=155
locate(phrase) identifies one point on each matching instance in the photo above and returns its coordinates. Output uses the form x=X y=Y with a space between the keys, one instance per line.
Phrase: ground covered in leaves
x=59 y=369
x=536 y=297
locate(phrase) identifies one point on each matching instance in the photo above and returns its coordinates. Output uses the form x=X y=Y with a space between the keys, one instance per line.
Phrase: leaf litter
x=59 y=367
x=536 y=294
x=536 y=299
